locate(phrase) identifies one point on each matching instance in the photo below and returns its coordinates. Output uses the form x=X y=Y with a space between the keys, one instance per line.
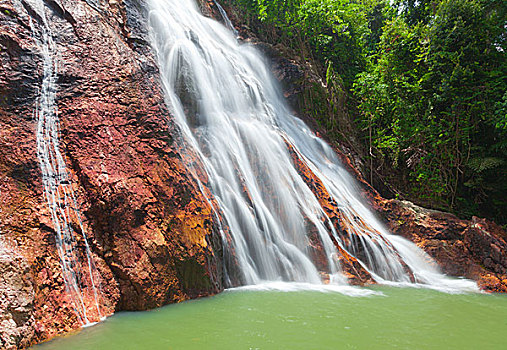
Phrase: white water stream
x=79 y=272
x=233 y=116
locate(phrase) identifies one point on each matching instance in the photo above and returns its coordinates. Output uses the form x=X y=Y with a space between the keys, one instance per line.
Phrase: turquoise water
x=394 y=318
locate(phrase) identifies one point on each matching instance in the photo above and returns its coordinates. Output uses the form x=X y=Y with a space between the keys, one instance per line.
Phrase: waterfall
x=226 y=19
x=256 y=154
x=79 y=272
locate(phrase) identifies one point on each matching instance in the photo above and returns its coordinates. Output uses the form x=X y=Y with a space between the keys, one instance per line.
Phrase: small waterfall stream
x=233 y=116
x=226 y=19
x=79 y=273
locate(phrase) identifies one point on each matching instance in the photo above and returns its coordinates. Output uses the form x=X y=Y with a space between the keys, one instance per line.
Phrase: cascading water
x=233 y=116
x=226 y=19
x=79 y=272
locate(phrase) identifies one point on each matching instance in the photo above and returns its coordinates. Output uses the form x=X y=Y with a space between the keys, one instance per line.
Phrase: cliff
x=152 y=235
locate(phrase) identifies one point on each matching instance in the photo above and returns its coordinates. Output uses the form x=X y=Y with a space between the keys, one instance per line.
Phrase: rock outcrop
x=16 y=298
x=475 y=248
x=152 y=234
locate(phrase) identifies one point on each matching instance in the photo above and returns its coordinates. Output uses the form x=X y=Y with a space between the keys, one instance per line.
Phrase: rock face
x=151 y=232
x=16 y=298
x=475 y=249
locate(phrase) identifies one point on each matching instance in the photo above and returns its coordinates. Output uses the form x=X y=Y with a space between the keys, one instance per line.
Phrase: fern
x=479 y=165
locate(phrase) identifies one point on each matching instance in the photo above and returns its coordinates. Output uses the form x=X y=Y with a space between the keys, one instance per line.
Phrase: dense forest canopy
x=426 y=89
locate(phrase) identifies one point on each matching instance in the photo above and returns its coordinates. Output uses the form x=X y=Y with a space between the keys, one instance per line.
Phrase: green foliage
x=435 y=101
x=336 y=31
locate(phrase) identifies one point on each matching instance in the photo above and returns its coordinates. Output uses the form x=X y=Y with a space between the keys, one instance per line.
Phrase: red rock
x=461 y=247
x=151 y=231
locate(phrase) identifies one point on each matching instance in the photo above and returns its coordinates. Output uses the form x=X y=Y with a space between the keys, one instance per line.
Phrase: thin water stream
x=79 y=272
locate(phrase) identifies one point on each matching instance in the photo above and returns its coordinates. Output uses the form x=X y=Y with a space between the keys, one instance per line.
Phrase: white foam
x=280 y=286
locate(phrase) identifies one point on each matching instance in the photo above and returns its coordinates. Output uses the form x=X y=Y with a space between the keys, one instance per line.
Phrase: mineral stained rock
x=152 y=234
x=475 y=248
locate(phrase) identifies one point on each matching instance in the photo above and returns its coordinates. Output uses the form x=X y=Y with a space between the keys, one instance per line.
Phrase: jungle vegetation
x=425 y=85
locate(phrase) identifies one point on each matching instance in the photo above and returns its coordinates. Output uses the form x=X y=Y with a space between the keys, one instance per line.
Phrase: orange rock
x=151 y=231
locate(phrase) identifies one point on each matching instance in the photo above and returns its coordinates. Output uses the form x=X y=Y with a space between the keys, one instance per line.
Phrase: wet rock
x=475 y=248
x=148 y=225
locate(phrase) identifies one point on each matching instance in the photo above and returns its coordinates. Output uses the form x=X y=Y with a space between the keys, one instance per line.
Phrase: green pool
x=386 y=318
